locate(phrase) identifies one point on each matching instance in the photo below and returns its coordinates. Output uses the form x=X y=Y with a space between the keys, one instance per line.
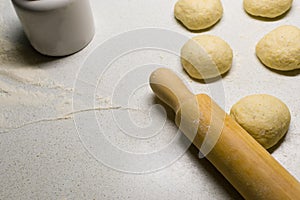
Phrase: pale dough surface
x=198 y=14
x=280 y=49
x=267 y=8
x=264 y=117
x=206 y=56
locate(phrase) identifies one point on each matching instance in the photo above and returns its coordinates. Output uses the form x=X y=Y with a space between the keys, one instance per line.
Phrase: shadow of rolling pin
x=241 y=160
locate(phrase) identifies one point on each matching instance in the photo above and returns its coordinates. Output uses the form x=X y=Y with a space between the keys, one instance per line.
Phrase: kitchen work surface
x=88 y=126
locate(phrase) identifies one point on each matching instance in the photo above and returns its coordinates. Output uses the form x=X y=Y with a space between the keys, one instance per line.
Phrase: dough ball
x=198 y=14
x=206 y=56
x=280 y=49
x=267 y=8
x=265 y=117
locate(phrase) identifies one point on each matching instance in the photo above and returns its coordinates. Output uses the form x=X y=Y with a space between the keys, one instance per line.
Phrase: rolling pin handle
x=169 y=88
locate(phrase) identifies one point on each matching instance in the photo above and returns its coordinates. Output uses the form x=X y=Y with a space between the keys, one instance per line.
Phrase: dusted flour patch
x=280 y=49
x=23 y=105
x=264 y=117
x=198 y=14
x=267 y=8
x=206 y=56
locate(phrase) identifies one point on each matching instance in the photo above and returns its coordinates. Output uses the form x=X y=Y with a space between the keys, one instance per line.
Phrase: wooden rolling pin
x=241 y=160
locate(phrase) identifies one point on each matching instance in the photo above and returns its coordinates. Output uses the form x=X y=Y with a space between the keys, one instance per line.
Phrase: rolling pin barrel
x=241 y=160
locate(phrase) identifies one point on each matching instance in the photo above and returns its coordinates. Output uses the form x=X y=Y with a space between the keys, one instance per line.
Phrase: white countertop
x=50 y=148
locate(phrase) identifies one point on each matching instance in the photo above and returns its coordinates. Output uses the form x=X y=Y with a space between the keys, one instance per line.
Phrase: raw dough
x=267 y=8
x=265 y=117
x=206 y=56
x=280 y=49
x=198 y=14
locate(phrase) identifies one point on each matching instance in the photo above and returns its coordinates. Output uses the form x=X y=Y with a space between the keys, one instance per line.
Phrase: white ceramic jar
x=56 y=27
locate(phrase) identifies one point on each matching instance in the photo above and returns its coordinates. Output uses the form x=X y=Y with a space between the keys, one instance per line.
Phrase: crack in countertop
x=68 y=116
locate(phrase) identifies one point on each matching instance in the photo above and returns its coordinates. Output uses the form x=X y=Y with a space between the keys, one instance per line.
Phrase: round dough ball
x=206 y=56
x=198 y=14
x=280 y=49
x=265 y=117
x=267 y=8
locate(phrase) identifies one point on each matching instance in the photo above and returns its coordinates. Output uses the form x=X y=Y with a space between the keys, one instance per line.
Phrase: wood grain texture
x=241 y=160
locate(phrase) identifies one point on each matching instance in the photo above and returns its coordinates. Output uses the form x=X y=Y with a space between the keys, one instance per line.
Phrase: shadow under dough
x=266 y=19
x=291 y=73
x=209 y=80
x=276 y=146
x=198 y=31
